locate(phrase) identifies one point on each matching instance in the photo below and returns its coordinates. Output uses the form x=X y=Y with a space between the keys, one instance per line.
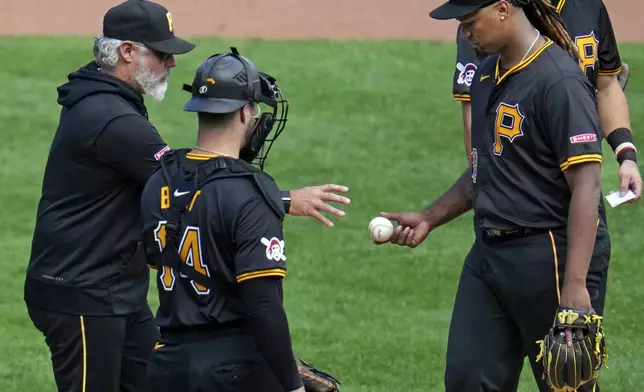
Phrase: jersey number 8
x=190 y=253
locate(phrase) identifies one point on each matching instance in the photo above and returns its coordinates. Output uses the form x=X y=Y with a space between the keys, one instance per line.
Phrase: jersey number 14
x=190 y=253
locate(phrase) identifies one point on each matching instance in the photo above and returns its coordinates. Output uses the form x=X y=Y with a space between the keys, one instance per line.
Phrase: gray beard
x=151 y=84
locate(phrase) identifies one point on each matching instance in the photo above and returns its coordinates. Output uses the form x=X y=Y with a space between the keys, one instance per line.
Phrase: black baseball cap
x=146 y=22
x=458 y=8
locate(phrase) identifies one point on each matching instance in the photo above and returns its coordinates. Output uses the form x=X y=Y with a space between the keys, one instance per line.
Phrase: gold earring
x=502 y=17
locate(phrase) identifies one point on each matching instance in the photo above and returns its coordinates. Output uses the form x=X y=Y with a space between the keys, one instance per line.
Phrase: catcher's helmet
x=224 y=83
x=227 y=81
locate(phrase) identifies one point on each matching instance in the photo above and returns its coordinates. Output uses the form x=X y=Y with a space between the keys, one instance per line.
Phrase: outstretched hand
x=412 y=228
x=311 y=200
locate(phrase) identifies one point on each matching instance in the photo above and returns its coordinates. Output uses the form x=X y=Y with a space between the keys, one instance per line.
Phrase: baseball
x=380 y=229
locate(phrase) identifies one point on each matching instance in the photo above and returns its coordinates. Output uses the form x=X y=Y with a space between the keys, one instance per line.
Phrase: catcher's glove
x=568 y=368
x=315 y=380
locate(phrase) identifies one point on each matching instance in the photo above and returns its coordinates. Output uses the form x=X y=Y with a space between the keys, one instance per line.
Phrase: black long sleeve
x=263 y=302
x=131 y=145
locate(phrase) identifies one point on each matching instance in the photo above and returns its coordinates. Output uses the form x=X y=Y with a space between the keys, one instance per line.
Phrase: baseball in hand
x=380 y=229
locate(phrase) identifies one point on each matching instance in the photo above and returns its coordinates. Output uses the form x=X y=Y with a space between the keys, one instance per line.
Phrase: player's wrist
x=286 y=200
x=628 y=155
x=574 y=280
x=621 y=141
x=430 y=217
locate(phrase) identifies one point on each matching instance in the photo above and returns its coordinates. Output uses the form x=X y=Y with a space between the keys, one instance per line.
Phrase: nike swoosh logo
x=158 y=346
x=177 y=193
x=483 y=77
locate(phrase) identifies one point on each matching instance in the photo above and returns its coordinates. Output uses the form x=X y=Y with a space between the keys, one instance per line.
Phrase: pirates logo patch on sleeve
x=274 y=249
x=467 y=73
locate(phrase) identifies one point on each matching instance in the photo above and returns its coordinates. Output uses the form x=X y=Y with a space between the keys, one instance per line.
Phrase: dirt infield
x=277 y=19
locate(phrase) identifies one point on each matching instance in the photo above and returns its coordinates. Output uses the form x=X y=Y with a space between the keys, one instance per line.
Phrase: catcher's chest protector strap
x=182 y=187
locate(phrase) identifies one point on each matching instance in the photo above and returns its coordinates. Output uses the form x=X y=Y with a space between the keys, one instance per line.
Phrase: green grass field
x=377 y=117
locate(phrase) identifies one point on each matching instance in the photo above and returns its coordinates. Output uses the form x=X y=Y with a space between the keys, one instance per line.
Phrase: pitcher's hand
x=412 y=228
x=574 y=296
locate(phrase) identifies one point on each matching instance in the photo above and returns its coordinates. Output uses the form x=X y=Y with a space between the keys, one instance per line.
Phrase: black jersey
x=590 y=28
x=529 y=125
x=231 y=231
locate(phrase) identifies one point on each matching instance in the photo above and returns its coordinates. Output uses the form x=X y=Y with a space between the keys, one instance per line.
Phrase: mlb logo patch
x=274 y=249
x=583 y=138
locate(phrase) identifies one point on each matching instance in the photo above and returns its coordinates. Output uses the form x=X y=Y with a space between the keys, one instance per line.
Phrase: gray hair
x=106 y=51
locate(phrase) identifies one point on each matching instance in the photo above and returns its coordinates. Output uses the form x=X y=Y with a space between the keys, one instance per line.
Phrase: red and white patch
x=274 y=249
x=159 y=154
x=583 y=138
x=467 y=73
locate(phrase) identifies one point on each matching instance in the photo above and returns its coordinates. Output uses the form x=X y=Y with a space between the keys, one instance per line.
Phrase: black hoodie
x=85 y=250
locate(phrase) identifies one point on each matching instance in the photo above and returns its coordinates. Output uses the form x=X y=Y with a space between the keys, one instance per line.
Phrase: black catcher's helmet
x=224 y=83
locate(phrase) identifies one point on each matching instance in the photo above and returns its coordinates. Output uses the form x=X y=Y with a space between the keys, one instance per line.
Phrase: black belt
x=518 y=232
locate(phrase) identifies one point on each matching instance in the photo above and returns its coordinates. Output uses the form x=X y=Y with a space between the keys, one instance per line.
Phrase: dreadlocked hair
x=544 y=16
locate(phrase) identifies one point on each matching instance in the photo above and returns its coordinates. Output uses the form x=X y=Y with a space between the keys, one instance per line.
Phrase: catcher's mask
x=224 y=83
